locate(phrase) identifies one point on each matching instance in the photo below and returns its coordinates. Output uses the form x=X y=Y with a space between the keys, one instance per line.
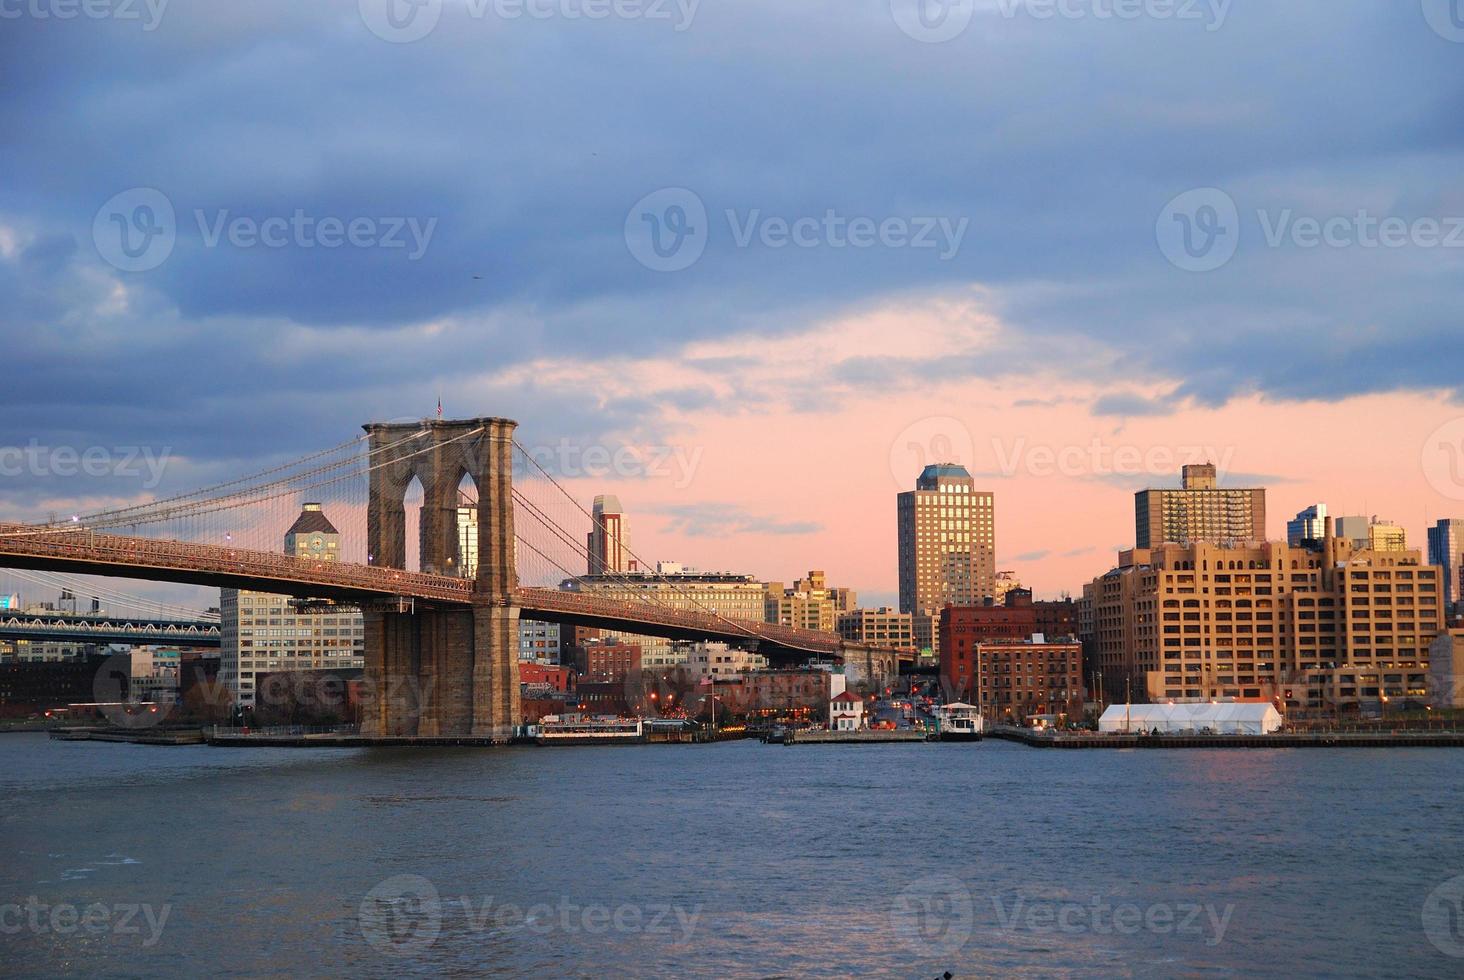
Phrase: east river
x=729 y=860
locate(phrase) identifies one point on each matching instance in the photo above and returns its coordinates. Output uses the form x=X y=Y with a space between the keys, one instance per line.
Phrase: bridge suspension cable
x=742 y=625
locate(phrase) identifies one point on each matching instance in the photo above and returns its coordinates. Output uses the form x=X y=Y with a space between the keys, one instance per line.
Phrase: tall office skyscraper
x=947 y=541
x=1307 y=525
x=1446 y=549
x=1199 y=511
x=608 y=542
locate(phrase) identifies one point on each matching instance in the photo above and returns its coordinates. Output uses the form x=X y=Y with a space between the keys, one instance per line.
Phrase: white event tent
x=1223 y=718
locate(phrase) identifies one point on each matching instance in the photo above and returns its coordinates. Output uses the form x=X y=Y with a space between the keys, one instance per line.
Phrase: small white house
x=846 y=712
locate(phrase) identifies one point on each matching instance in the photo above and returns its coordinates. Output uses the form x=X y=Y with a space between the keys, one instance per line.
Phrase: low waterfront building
x=1446 y=670
x=1204 y=717
x=31 y=687
x=846 y=712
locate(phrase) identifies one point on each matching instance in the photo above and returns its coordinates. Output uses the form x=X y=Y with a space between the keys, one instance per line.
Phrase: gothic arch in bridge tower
x=443 y=672
x=440 y=455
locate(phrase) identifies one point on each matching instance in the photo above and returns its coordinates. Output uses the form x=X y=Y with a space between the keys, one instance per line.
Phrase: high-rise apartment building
x=810 y=604
x=1306 y=525
x=1446 y=550
x=608 y=542
x=947 y=541
x=262 y=632
x=1332 y=625
x=1200 y=510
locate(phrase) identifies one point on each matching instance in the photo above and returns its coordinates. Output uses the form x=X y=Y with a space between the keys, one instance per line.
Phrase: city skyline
x=760 y=363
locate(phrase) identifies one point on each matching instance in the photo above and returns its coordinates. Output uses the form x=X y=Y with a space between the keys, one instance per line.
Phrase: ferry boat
x=583 y=730
x=959 y=722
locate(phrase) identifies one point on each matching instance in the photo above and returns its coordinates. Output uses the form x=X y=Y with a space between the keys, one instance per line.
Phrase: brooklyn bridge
x=441 y=642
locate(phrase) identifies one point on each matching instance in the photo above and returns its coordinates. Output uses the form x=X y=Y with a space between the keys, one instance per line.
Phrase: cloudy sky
x=783 y=252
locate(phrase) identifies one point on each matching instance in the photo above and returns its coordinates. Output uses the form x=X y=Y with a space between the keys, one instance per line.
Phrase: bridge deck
x=88 y=552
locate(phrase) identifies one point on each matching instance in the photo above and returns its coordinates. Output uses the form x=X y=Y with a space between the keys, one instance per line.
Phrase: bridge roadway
x=109 y=629
x=82 y=551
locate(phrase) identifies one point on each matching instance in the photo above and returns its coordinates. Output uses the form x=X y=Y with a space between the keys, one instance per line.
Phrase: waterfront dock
x=186 y=736
x=1279 y=740
x=862 y=737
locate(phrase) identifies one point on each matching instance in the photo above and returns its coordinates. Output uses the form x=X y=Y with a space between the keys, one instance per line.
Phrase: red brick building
x=536 y=679
x=1018 y=620
x=1016 y=680
x=606 y=660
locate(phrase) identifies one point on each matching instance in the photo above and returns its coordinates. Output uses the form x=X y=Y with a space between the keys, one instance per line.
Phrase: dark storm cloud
x=526 y=142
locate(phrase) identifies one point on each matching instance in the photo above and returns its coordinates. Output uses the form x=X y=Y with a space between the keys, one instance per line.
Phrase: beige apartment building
x=1332 y=626
x=883 y=627
x=1199 y=511
x=730 y=595
x=810 y=604
x=947 y=541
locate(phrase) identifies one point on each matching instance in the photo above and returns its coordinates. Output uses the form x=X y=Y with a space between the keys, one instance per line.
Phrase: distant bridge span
x=138 y=631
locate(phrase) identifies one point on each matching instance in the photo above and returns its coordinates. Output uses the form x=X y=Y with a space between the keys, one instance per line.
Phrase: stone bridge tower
x=431 y=670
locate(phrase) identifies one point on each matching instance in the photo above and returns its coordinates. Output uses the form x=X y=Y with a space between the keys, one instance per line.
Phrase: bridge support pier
x=495 y=681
